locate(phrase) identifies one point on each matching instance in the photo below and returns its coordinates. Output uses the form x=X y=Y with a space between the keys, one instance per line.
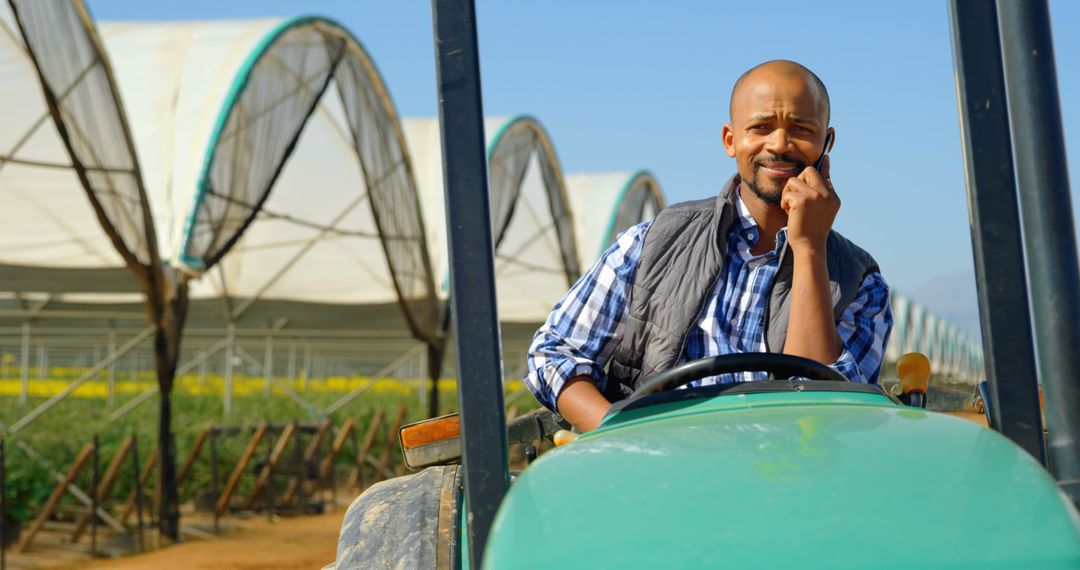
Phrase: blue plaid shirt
x=588 y=322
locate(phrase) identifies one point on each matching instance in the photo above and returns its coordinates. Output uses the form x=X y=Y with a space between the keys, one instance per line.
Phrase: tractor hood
x=785 y=480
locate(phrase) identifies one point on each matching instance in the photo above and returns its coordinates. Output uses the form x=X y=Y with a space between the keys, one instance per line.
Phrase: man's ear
x=727 y=135
x=832 y=142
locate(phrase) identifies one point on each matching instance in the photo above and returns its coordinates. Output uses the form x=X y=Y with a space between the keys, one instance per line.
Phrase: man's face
x=778 y=126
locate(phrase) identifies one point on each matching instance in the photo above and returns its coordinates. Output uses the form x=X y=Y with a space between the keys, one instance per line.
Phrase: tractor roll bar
x=995 y=224
x=1049 y=233
x=472 y=281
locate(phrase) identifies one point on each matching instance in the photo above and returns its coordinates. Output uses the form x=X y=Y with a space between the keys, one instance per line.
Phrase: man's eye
x=761 y=128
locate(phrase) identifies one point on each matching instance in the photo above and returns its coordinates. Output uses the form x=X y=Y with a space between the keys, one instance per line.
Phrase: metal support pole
x=472 y=279
x=42 y=362
x=24 y=392
x=268 y=365
x=3 y=505
x=136 y=473
x=292 y=363
x=298 y=459
x=214 y=476
x=995 y=225
x=307 y=366
x=270 y=479
x=94 y=497
x=111 y=372
x=230 y=353
x=1049 y=232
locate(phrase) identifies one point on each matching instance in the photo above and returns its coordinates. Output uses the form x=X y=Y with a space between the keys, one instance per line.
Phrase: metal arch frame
x=377 y=84
x=507 y=131
x=351 y=51
x=640 y=179
x=149 y=272
x=236 y=90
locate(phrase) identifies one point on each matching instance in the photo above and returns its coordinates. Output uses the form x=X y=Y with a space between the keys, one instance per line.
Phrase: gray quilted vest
x=681 y=259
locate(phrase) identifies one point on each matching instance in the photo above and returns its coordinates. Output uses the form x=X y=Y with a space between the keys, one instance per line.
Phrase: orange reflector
x=913 y=369
x=425 y=432
x=563 y=437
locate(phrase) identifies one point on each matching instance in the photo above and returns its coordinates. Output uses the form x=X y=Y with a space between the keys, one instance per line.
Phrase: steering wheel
x=783 y=366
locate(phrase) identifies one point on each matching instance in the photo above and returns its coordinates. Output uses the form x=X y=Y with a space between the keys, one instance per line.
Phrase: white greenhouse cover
x=48 y=220
x=529 y=272
x=174 y=99
x=596 y=199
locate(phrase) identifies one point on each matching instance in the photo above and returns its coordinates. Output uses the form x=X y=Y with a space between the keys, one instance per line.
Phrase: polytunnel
x=212 y=142
x=952 y=352
x=606 y=204
x=288 y=157
x=536 y=255
x=271 y=189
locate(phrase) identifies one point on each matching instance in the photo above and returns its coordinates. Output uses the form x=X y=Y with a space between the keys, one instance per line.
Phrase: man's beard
x=770 y=196
x=757 y=185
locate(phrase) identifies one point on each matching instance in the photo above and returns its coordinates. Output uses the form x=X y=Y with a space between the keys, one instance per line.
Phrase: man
x=757 y=269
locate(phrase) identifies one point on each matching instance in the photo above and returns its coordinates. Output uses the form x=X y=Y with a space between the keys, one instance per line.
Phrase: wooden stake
x=192 y=456
x=335 y=448
x=147 y=471
x=312 y=450
x=275 y=456
x=54 y=498
x=365 y=450
x=385 y=459
x=234 y=479
x=105 y=486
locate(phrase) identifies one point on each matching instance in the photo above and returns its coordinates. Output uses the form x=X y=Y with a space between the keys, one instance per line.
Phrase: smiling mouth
x=781 y=170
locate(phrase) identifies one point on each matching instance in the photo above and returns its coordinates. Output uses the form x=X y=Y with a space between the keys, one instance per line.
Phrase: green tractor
x=807 y=470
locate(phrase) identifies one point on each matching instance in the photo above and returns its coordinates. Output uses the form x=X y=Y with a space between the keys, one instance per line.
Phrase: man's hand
x=811 y=205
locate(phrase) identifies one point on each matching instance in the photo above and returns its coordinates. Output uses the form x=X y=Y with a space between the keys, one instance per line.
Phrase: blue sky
x=622 y=85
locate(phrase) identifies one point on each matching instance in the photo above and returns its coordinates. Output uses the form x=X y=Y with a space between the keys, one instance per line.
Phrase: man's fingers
x=800 y=186
x=792 y=198
x=813 y=181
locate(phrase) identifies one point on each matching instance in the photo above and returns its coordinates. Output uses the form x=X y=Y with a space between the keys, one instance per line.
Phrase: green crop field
x=63 y=430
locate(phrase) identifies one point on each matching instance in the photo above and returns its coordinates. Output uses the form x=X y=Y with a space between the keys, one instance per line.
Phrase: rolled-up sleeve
x=864 y=329
x=587 y=324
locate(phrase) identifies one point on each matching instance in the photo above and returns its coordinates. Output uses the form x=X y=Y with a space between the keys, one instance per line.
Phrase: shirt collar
x=745 y=230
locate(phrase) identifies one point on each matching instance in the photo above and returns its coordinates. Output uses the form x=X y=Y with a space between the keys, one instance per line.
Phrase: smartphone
x=824 y=151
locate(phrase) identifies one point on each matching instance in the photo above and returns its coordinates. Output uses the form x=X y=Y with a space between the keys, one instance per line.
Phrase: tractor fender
x=407 y=522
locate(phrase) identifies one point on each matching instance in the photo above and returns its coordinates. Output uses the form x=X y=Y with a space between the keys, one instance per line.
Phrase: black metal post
x=214 y=477
x=472 y=282
x=270 y=479
x=137 y=471
x=1049 y=233
x=298 y=459
x=3 y=505
x=434 y=370
x=94 y=498
x=995 y=225
x=333 y=485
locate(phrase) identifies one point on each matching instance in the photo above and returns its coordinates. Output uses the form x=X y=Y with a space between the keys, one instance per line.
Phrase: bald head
x=781 y=68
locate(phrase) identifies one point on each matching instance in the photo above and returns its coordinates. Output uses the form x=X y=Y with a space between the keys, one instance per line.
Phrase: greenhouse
x=616 y=201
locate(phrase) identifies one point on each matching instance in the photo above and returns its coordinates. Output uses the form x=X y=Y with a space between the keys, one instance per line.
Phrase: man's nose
x=778 y=142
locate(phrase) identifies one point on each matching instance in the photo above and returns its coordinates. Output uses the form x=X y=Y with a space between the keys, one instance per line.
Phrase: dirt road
x=301 y=542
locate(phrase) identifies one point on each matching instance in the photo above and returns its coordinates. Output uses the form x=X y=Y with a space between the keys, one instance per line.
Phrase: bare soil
x=307 y=542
